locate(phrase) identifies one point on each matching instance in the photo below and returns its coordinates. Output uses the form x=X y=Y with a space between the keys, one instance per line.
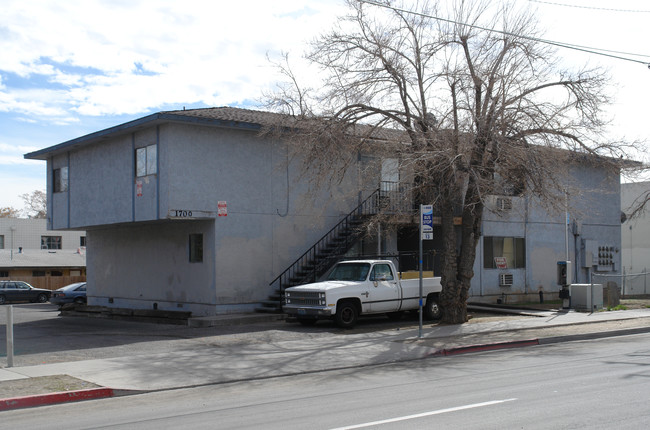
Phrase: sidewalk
x=212 y=360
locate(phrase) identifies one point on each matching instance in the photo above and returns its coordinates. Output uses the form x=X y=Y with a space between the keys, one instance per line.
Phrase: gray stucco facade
x=216 y=178
x=145 y=190
x=594 y=224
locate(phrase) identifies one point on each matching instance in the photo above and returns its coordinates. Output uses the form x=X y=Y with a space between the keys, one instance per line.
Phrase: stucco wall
x=272 y=218
x=594 y=220
x=138 y=265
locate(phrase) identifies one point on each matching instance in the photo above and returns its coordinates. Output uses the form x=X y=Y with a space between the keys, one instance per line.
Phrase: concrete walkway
x=262 y=356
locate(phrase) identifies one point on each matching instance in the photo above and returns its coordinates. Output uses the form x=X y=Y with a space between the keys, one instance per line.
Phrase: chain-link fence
x=628 y=284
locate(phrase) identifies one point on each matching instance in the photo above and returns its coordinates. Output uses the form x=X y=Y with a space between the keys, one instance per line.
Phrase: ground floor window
x=196 y=248
x=513 y=249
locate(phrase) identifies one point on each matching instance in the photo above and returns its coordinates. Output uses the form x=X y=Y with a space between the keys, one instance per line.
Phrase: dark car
x=19 y=291
x=73 y=293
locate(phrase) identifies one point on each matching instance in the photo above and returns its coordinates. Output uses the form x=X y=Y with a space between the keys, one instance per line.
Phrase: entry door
x=384 y=291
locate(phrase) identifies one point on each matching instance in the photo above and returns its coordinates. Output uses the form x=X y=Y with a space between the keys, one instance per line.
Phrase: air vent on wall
x=505 y=279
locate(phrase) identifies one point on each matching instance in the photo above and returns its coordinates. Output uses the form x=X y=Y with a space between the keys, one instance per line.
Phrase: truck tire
x=432 y=310
x=346 y=314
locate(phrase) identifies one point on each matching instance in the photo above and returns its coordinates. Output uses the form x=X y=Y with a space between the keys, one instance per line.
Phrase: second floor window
x=50 y=242
x=60 y=180
x=146 y=161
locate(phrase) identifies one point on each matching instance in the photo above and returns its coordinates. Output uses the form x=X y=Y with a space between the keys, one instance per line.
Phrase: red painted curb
x=54 y=398
x=487 y=347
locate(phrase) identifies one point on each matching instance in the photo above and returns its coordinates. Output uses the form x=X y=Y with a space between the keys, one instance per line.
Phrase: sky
x=70 y=68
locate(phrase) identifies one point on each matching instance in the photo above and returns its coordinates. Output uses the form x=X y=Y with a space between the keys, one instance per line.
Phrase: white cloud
x=130 y=57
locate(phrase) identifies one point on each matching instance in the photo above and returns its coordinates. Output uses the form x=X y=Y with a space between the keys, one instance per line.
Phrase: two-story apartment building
x=196 y=211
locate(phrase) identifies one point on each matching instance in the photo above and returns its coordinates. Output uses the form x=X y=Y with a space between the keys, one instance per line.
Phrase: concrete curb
x=487 y=347
x=595 y=335
x=55 y=398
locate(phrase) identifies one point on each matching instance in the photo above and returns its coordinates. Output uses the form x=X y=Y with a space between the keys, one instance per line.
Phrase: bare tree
x=470 y=101
x=9 y=212
x=35 y=204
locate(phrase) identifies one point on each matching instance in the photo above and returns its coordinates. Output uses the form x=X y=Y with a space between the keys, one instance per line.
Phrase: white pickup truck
x=361 y=287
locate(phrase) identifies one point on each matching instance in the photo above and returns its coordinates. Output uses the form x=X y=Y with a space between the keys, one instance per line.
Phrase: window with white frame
x=146 y=161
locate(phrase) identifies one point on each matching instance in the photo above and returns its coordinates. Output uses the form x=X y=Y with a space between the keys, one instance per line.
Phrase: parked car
x=73 y=293
x=19 y=291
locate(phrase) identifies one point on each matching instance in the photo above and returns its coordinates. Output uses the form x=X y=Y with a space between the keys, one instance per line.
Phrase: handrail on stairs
x=369 y=206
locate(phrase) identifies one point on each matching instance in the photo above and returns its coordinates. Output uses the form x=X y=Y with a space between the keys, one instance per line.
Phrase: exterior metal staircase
x=324 y=253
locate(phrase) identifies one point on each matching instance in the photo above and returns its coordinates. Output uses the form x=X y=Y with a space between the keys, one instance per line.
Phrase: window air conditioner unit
x=505 y=279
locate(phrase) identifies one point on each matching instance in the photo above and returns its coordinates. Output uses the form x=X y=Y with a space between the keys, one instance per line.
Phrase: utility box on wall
x=586 y=297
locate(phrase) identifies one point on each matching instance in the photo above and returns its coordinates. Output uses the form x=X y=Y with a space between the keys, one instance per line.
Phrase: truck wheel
x=346 y=314
x=432 y=309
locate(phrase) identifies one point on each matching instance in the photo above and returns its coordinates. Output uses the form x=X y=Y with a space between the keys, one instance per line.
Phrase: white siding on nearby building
x=635 y=241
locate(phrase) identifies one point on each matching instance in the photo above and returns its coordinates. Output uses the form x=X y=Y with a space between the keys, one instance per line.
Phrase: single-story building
x=43 y=258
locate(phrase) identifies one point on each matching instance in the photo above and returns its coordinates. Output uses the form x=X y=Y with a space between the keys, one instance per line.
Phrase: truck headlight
x=321 y=299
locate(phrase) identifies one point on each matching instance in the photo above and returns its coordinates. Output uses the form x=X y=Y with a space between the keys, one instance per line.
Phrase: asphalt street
x=588 y=384
x=133 y=357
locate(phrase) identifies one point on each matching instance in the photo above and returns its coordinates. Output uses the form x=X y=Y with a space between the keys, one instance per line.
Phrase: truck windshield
x=349 y=272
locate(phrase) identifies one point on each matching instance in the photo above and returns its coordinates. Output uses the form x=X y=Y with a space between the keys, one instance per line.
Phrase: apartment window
x=2 y=242
x=82 y=240
x=56 y=273
x=513 y=249
x=146 y=161
x=50 y=242
x=60 y=180
x=4 y=273
x=196 y=248
x=38 y=273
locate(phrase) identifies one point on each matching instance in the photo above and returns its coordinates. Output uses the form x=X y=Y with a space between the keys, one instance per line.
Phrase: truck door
x=384 y=291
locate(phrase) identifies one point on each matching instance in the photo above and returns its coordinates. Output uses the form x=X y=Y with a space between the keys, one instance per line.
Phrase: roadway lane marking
x=425 y=414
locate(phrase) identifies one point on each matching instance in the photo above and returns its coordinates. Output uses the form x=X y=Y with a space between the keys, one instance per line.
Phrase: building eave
x=135 y=125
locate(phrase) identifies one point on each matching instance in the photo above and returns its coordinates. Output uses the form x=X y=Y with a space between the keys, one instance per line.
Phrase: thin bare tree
x=35 y=204
x=469 y=100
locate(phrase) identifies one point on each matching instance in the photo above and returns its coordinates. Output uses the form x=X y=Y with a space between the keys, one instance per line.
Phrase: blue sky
x=69 y=68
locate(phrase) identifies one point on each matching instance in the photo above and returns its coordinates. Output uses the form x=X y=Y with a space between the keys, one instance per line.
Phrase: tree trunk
x=458 y=267
x=454 y=311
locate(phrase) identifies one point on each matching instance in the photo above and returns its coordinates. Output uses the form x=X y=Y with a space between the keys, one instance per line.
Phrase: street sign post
x=426 y=233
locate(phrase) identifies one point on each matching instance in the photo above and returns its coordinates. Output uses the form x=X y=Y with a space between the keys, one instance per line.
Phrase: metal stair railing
x=317 y=259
